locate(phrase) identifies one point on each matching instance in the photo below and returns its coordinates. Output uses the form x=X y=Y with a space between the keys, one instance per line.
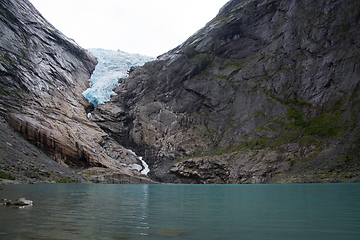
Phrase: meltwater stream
x=95 y=211
x=144 y=168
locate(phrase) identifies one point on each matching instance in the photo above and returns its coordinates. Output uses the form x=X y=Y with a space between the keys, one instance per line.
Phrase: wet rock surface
x=262 y=76
x=23 y=163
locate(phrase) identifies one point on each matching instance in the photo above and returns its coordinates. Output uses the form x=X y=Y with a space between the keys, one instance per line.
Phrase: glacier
x=112 y=68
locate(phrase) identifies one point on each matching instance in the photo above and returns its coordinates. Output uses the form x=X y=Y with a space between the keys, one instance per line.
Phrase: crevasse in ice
x=112 y=68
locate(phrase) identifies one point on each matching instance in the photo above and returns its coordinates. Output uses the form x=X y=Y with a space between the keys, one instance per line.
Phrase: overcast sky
x=148 y=27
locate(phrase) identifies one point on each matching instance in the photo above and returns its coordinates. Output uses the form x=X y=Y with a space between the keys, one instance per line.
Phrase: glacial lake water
x=95 y=211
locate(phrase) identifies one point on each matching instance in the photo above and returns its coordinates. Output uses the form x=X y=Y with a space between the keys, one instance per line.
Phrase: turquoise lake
x=94 y=211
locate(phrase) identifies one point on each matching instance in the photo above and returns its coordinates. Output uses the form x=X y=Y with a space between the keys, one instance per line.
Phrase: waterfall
x=144 y=169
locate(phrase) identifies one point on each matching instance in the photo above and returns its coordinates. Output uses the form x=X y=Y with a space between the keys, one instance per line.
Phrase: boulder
x=22 y=202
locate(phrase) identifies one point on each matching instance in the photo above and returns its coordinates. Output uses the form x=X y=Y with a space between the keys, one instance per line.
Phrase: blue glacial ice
x=112 y=68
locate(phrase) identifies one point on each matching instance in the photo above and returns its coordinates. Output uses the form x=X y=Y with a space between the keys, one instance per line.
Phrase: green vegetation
x=4 y=91
x=325 y=125
x=65 y=180
x=357 y=139
x=254 y=145
x=294 y=102
x=307 y=126
x=8 y=59
x=295 y=129
x=190 y=51
x=6 y=176
x=87 y=176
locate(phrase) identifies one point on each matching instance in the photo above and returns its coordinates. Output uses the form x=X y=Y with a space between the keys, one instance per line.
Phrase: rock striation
x=267 y=91
x=42 y=77
x=23 y=163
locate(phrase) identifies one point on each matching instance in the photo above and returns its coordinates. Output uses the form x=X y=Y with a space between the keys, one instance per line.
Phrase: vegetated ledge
x=309 y=145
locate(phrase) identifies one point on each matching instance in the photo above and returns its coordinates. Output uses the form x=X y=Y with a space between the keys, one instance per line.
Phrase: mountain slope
x=42 y=76
x=268 y=91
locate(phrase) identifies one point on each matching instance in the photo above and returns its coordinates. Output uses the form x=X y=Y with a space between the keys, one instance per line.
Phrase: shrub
x=326 y=125
x=6 y=176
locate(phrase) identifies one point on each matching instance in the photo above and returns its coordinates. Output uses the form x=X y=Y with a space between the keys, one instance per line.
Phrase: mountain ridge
x=263 y=93
x=43 y=75
x=266 y=92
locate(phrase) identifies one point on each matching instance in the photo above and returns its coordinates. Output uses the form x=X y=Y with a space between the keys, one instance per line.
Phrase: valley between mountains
x=266 y=92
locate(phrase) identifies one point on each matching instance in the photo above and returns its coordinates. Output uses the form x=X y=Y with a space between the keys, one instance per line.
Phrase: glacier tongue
x=111 y=69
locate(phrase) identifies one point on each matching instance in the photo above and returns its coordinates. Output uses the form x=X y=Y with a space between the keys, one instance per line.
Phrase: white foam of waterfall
x=144 y=169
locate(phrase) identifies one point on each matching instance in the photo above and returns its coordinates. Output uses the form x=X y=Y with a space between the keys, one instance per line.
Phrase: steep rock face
x=22 y=162
x=266 y=91
x=42 y=76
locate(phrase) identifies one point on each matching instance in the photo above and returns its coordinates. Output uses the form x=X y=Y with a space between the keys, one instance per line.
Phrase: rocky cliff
x=42 y=76
x=267 y=91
